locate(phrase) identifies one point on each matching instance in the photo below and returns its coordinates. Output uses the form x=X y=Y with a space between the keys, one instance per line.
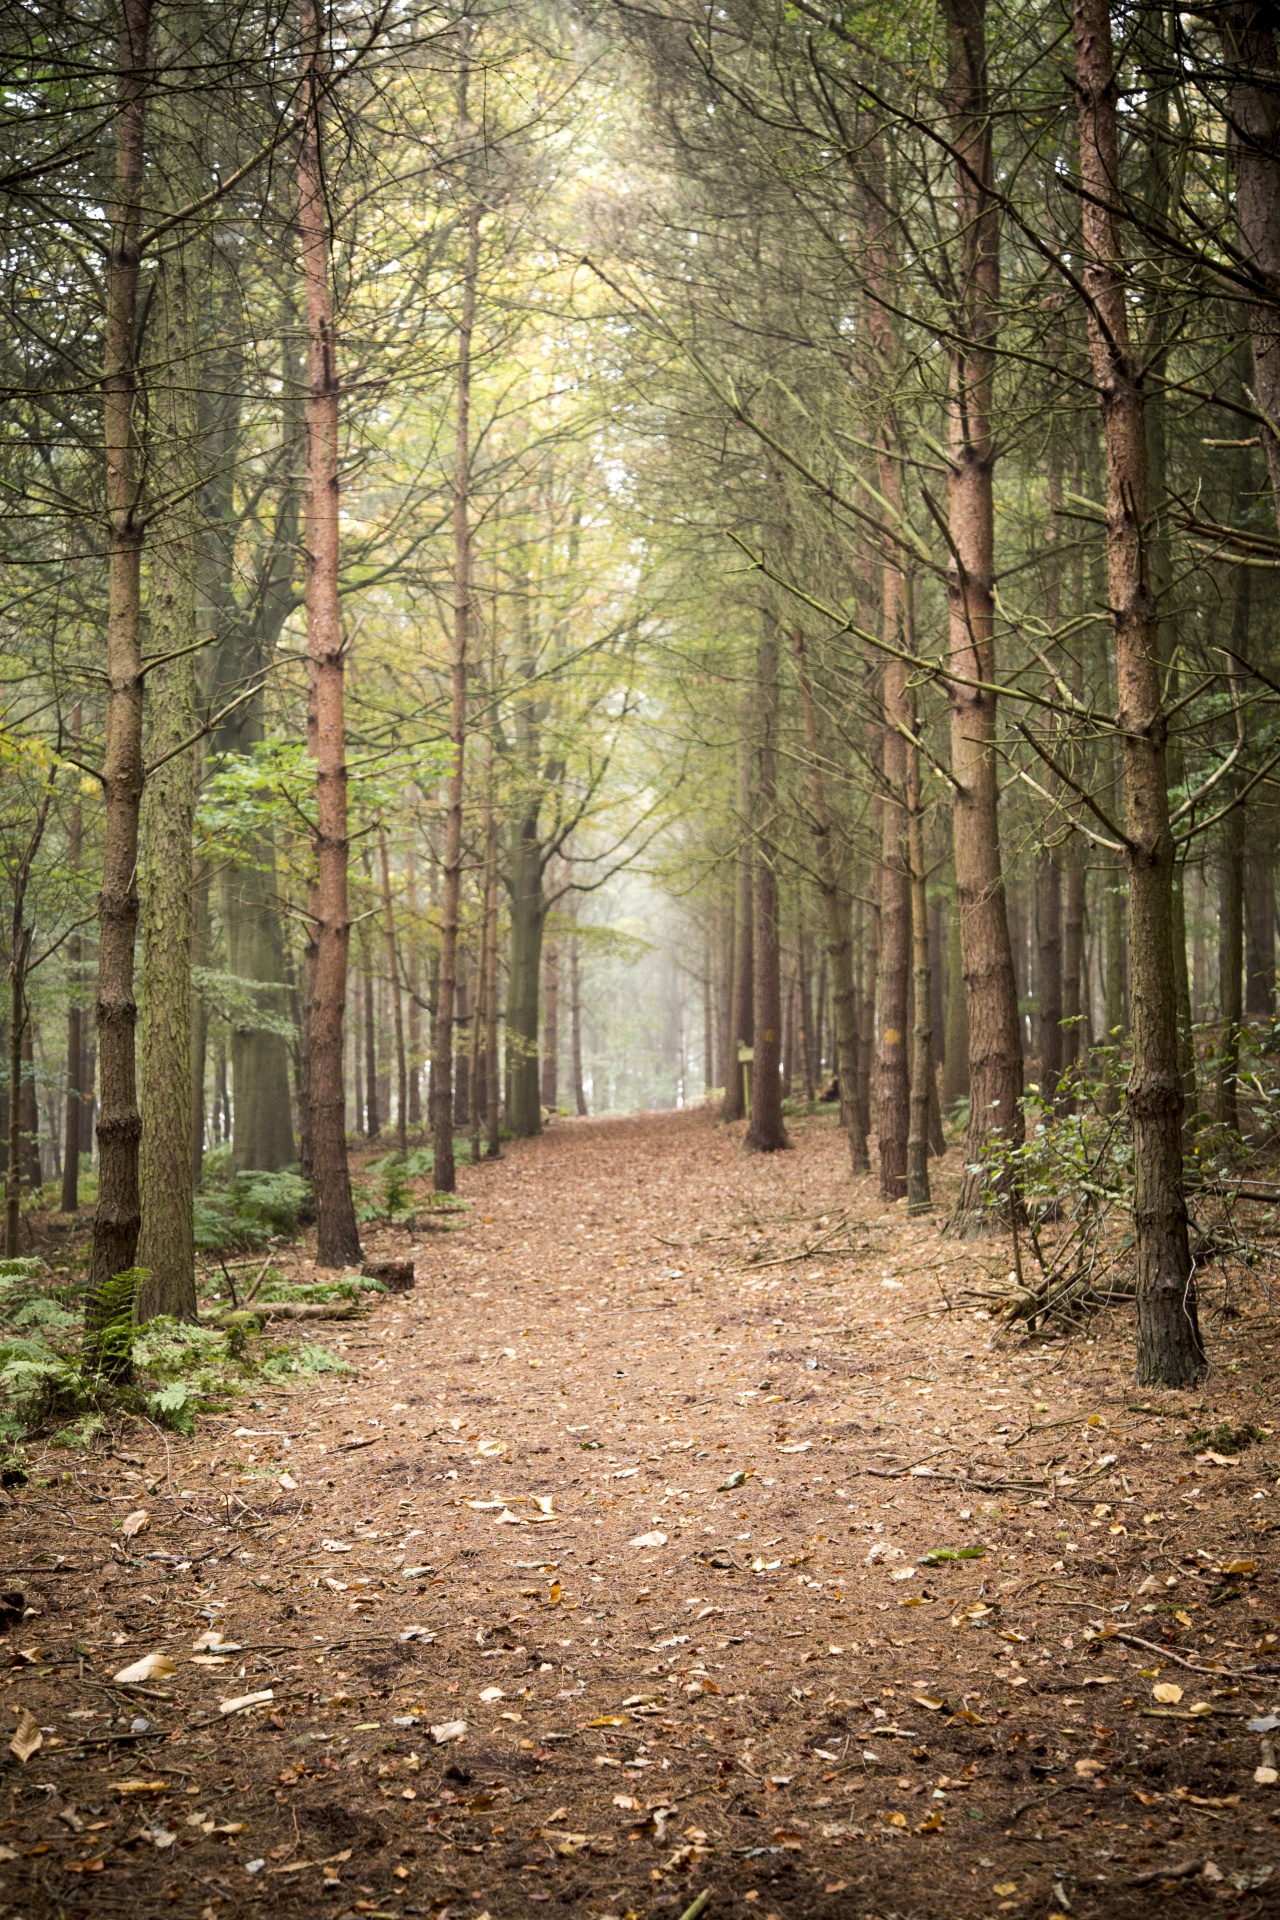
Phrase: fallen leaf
x=654 y=1539
x=449 y=1730
x=335 y=1546
x=152 y=1666
x=424 y=1634
x=288 y=1482
x=1265 y=1776
x=1167 y=1692
x=1004 y=1888
x=925 y=1700
x=607 y=1720
x=492 y=1693
x=126 y=1787
x=244 y=1700
x=796 y=1446
x=735 y=1479
x=1089 y=1769
x=213 y=1642
x=1239 y=1567
x=79 y=1866
x=27 y=1737
x=491 y=1449
x=895 y=1819
x=133 y=1523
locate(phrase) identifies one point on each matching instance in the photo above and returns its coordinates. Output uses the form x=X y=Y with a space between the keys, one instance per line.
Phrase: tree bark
x=443 y=1175
x=955 y=1077
x=492 y=1104
x=1074 y=1013
x=1170 y=1351
x=397 y=1004
x=1253 y=116
x=70 y=1202
x=1260 y=934
x=372 y=1114
x=995 y=1039
x=551 y=1025
x=892 y=1078
x=766 y=1132
x=923 y=1078
x=412 y=976
x=575 y=1028
x=166 y=1243
x=1049 y=970
x=528 y=910
x=117 y=1216
x=19 y=953
x=1230 y=964
x=337 y=1238
x=742 y=997
x=837 y=917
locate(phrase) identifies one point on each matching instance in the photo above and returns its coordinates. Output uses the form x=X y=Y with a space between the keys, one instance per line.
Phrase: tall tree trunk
x=397 y=1004
x=892 y=1083
x=29 y=1111
x=528 y=910
x=955 y=1078
x=551 y=1024
x=1170 y=1352
x=575 y=1028
x=742 y=998
x=923 y=1077
x=1252 y=66
x=372 y=1114
x=1049 y=970
x=1260 y=934
x=337 y=1237
x=117 y=1217
x=199 y=1019
x=766 y=1132
x=75 y=1019
x=19 y=953
x=413 y=974
x=870 y=973
x=1230 y=965
x=443 y=1176
x=166 y=1243
x=1074 y=1012
x=492 y=1104
x=836 y=916
x=995 y=1039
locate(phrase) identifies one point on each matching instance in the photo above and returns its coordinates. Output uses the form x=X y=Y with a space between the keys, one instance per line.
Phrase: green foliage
x=174 y=1406
x=81 y=1432
x=108 y=1324
x=251 y=1210
x=308 y=1359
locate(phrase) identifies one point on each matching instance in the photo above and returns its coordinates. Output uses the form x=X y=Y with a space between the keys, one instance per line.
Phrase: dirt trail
x=645 y=1500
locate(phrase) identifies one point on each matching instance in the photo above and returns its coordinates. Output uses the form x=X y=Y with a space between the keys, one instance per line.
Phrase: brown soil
x=692 y=1684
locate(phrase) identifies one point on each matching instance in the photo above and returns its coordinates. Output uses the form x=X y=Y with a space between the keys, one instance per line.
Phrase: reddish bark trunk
x=1170 y=1352
x=995 y=1040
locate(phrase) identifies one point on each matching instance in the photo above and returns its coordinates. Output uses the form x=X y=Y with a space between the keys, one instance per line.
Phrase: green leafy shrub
x=253 y=1208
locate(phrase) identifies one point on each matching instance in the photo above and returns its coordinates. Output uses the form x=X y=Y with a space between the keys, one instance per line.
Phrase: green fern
x=108 y=1325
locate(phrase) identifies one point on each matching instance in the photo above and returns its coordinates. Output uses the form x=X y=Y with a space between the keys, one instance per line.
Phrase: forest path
x=525 y=1509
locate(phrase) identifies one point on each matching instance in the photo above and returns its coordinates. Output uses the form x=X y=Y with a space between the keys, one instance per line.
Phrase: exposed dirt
x=525 y=1491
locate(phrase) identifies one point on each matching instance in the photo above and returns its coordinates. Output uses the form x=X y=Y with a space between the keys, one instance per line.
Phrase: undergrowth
x=69 y=1359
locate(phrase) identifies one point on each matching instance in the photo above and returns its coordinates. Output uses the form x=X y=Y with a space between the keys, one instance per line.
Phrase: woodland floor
x=668 y=1684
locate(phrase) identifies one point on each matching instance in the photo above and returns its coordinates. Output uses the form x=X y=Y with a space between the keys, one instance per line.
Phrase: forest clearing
x=640 y=1055
x=624 y=1563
